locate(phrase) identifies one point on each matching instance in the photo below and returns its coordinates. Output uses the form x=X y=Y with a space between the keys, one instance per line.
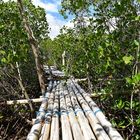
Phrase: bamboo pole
x=54 y=135
x=36 y=128
x=112 y=132
x=76 y=130
x=96 y=126
x=24 y=101
x=45 y=133
x=66 y=129
x=85 y=127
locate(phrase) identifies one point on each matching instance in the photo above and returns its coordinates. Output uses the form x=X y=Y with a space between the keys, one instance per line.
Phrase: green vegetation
x=103 y=46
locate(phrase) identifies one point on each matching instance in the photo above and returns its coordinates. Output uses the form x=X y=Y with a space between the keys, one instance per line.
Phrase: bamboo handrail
x=24 y=101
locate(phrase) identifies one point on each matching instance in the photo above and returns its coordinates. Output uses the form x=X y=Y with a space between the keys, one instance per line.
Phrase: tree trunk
x=35 y=47
x=23 y=88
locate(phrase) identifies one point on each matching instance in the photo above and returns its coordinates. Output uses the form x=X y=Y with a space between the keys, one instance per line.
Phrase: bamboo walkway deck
x=68 y=113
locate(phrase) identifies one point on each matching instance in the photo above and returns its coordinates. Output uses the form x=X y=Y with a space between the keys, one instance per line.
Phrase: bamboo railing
x=68 y=113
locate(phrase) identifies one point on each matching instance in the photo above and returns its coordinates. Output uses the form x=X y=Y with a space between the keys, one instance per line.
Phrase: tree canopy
x=103 y=47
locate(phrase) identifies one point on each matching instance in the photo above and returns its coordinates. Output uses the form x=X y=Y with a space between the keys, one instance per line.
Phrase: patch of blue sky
x=55 y=20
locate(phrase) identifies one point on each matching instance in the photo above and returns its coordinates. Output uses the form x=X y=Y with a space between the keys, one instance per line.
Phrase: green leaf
x=3 y=60
x=120 y=104
x=128 y=59
x=138 y=121
x=128 y=80
x=136 y=42
x=1 y=116
x=136 y=78
x=2 y=52
x=137 y=18
x=101 y=51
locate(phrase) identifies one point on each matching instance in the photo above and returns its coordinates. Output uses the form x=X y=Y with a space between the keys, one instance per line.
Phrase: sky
x=55 y=20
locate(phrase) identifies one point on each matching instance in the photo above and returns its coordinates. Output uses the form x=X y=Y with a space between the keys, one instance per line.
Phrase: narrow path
x=68 y=113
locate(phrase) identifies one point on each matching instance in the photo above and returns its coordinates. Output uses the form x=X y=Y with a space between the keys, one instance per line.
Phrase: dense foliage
x=15 y=45
x=104 y=46
x=18 y=75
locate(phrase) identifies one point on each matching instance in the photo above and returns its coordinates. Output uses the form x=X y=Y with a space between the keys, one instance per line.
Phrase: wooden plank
x=112 y=132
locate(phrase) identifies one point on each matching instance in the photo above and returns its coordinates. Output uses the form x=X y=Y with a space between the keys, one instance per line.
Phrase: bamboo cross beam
x=24 y=101
x=112 y=132
x=96 y=126
x=85 y=127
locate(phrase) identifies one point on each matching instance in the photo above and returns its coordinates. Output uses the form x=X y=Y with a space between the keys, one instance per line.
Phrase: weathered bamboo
x=54 y=135
x=85 y=127
x=45 y=133
x=76 y=130
x=81 y=119
x=24 y=101
x=112 y=132
x=35 y=132
x=96 y=126
x=66 y=129
x=36 y=128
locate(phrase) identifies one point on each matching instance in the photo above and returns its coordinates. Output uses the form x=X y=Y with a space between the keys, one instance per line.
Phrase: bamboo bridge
x=68 y=113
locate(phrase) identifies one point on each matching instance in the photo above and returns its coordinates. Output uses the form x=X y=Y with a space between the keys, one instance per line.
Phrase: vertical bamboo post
x=63 y=58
